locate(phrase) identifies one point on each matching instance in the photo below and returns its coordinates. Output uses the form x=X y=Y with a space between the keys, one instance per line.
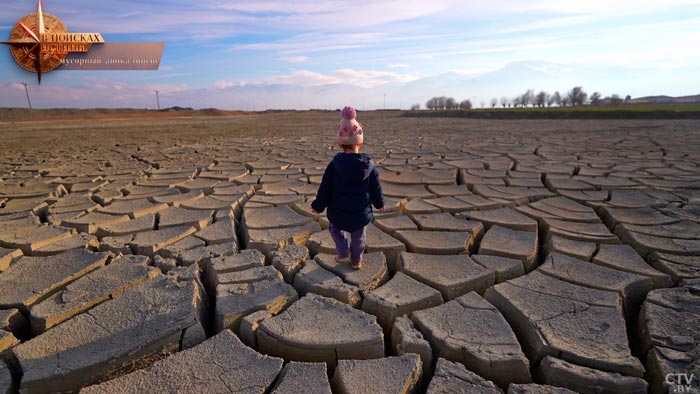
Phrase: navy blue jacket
x=349 y=188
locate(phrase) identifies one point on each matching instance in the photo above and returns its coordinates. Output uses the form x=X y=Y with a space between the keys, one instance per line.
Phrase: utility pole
x=384 y=101
x=26 y=90
x=157 y=99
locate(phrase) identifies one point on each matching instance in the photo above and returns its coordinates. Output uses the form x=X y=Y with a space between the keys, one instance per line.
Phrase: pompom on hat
x=349 y=130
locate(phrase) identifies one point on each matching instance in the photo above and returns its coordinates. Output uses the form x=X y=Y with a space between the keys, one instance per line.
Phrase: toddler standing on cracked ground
x=349 y=188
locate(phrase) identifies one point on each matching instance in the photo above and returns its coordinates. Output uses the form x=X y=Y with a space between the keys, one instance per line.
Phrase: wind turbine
x=26 y=90
x=157 y=99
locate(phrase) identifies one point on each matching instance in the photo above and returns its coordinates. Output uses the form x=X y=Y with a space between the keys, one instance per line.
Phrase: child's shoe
x=341 y=260
x=358 y=266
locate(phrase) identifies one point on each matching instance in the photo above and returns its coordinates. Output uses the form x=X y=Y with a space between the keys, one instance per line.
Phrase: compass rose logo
x=40 y=42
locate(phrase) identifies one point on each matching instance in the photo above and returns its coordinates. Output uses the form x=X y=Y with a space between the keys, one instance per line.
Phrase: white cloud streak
x=306 y=78
x=294 y=59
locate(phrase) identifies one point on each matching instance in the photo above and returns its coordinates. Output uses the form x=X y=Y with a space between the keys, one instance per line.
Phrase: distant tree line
x=572 y=98
x=443 y=102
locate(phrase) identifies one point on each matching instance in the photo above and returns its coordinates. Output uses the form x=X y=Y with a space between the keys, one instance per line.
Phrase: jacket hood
x=353 y=167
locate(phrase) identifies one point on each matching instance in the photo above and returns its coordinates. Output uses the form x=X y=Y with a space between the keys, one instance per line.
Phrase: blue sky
x=324 y=54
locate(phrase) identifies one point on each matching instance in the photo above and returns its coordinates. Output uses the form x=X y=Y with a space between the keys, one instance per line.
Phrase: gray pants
x=357 y=243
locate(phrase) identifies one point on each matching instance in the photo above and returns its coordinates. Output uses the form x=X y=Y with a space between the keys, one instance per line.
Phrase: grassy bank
x=24 y=114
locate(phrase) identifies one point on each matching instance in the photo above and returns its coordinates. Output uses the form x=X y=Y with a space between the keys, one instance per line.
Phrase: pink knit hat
x=349 y=130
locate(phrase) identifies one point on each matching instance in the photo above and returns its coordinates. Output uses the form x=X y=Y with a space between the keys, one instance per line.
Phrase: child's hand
x=382 y=209
x=315 y=212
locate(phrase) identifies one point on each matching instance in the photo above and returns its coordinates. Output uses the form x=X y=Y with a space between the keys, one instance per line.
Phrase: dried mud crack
x=513 y=256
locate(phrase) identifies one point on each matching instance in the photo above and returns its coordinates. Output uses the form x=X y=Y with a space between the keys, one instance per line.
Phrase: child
x=349 y=188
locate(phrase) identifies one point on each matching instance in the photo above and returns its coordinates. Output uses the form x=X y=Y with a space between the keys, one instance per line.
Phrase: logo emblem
x=40 y=42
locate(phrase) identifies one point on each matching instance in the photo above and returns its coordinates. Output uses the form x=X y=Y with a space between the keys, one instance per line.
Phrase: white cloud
x=478 y=9
x=307 y=78
x=350 y=42
x=301 y=78
x=398 y=65
x=209 y=19
x=314 y=42
x=371 y=78
x=295 y=59
x=224 y=84
x=336 y=14
x=603 y=7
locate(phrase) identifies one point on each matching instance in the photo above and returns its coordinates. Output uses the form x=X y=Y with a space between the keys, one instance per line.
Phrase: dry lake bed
x=180 y=255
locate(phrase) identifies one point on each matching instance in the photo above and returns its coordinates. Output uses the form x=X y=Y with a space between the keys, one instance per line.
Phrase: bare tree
x=581 y=96
x=431 y=104
x=615 y=99
x=541 y=98
x=556 y=98
x=465 y=104
x=577 y=96
x=565 y=101
x=527 y=98
x=415 y=107
x=494 y=102
x=505 y=101
x=451 y=103
x=482 y=104
x=442 y=102
x=518 y=101
x=595 y=98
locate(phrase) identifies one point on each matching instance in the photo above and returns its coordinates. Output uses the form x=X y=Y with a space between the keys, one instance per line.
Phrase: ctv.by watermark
x=682 y=382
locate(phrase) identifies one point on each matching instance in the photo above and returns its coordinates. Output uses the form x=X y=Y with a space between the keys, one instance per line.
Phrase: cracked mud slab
x=221 y=364
x=563 y=325
x=401 y=295
x=521 y=245
x=400 y=375
x=319 y=329
x=235 y=301
x=144 y=321
x=588 y=381
x=453 y=276
x=453 y=378
x=473 y=332
x=297 y=377
x=32 y=279
x=668 y=331
x=90 y=290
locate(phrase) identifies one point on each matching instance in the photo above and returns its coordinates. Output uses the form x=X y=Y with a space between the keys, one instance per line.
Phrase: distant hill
x=666 y=100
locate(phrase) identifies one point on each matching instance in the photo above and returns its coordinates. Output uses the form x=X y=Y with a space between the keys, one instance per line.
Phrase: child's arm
x=375 y=190
x=323 y=194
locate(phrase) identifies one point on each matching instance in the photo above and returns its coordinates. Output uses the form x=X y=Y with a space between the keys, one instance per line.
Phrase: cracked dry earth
x=514 y=256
